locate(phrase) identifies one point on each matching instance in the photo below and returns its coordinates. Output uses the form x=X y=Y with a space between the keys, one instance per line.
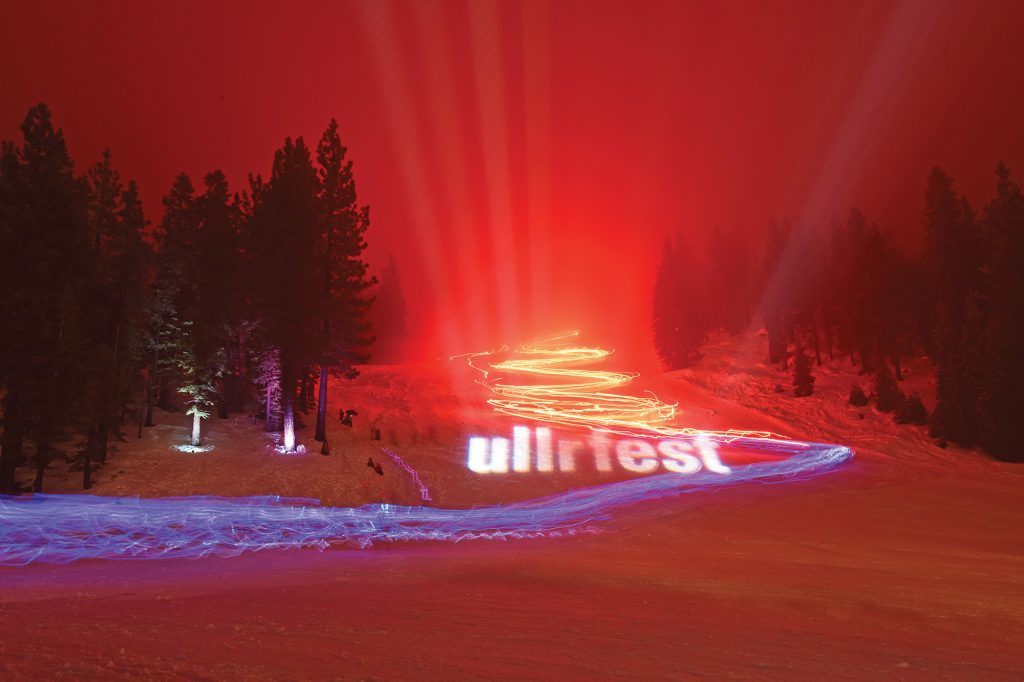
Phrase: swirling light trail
x=580 y=398
x=424 y=491
x=65 y=528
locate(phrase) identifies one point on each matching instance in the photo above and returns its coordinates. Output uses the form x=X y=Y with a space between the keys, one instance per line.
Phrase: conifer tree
x=954 y=252
x=680 y=314
x=116 y=306
x=888 y=397
x=912 y=411
x=1003 y=367
x=285 y=238
x=344 y=325
x=177 y=243
x=857 y=397
x=803 y=378
x=44 y=273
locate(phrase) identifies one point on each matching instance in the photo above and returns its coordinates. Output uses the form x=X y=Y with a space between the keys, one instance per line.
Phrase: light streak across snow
x=580 y=397
x=66 y=528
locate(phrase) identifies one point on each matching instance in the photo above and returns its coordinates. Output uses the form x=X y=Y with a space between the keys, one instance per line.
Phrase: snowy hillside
x=905 y=564
x=426 y=413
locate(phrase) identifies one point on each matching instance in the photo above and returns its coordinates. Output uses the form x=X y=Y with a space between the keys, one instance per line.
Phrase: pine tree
x=177 y=243
x=803 y=379
x=857 y=396
x=912 y=411
x=267 y=375
x=44 y=273
x=1003 y=367
x=954 y=253
x=285 y=239
x=344 y=325
x=888 y=396
x=681 y=312
x=117 y=301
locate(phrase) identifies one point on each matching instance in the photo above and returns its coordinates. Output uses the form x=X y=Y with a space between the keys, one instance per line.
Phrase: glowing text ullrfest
x=541 y=452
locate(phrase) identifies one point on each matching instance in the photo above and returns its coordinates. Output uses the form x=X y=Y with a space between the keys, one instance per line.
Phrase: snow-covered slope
x=906 y=564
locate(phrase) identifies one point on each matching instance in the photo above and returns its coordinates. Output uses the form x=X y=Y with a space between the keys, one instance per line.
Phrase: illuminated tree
x=193 y=297
x=287 y=266
x=177 y=239
x=199 y=364
x=268 y=375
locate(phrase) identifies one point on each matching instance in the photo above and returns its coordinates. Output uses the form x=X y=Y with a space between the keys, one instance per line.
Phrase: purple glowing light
x=65 y=528
x=424 y=491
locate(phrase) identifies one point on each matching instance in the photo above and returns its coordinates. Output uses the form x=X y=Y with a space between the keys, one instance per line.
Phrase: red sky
x=524 y=161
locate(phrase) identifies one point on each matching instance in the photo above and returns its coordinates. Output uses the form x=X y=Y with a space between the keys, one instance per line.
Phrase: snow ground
x=906 y=564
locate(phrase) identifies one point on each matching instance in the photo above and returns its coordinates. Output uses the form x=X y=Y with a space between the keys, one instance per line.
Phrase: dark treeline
x=232 y=296
x=852 y=294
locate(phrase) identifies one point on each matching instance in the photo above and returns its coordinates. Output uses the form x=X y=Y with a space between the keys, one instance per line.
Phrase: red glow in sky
x=524 y=160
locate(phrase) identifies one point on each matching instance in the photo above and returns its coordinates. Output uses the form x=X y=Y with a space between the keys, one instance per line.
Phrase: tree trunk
x=163 y=398
x=11 y=444
x=222 y=408
x=287 y=403
x=42 y=459
x=87 y=460
x=149 y=387
x=304 y=390
x=268 y=417
x=141 y=405
x=238 y=396
x=103 y=437
x=196 y=427
x=321 y=407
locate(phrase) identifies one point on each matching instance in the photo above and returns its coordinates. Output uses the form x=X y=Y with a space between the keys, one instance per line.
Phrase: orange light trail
x=581 y=398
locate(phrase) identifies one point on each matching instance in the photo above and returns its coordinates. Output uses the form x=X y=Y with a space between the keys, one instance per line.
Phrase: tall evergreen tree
x=1003 y=368
x=177 y=243
x=44 y=271
x=287 y=253
x=344 y=325
x=887 y=394
x=116 y=312
x=954 y=252
x=803 y=377
x=681 y=315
